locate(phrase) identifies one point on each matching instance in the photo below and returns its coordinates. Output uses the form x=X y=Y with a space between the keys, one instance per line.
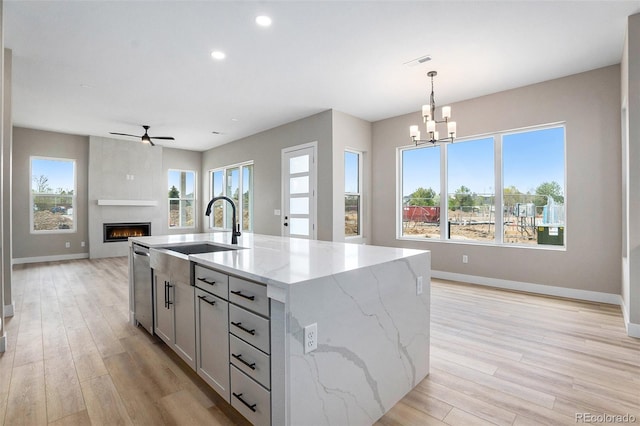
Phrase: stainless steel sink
x=198 y=248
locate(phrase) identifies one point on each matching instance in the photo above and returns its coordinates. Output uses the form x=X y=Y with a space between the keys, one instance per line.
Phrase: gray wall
x=7 y=149
x=589 y=104
x=265 y=150
x=353 y=133
x=630 y=92
x=28 y=142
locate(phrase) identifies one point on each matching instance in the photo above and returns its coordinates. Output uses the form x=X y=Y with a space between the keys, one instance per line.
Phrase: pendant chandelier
x=428 y=116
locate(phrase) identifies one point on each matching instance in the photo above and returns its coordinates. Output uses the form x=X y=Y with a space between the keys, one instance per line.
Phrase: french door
x=299 y=191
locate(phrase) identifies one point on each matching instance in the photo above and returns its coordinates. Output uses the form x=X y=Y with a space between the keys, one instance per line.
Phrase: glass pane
x=299 y=164
x=533 y=191
x=247 y=197
x=52 y=212
x=299 y=226
x=299 y=185
x=351 y=215
x=299 y=205
x=52 y=176
x=174 y=213
x=218 y=208
x=421 y=192
x=232 y=191
x=351 y=172
x=470 y=190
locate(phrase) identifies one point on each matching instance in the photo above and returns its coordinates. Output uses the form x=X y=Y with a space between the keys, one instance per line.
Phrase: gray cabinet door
x=185 y=324
x=212 y=338
x=163 y=324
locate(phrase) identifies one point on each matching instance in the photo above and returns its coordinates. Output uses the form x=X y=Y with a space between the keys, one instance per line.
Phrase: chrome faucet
x=235 y=230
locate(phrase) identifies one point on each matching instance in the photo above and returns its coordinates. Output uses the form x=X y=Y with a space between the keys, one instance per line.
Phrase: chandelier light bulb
x=446 y=112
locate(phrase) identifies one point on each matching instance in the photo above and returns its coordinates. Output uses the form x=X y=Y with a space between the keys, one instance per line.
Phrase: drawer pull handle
x=204 y=280
x=239 y=293
x=239 y=358
x=252 y=407
x=239 y=325
x=211 y=302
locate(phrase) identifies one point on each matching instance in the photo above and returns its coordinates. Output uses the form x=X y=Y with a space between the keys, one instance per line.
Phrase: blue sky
x=174 y=180
x=529 y=159
x=59 y=173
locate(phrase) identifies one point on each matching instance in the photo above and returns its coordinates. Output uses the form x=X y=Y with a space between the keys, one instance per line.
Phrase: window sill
x=484 y=244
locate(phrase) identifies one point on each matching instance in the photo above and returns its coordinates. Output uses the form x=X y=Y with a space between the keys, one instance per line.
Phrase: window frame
x=74 y=197
x=358 y=194
x=498 y=192
x=179 y=199
x=241 y=185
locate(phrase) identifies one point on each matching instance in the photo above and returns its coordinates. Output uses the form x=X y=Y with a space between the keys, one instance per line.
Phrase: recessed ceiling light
x=263 y=21
x=217 y=54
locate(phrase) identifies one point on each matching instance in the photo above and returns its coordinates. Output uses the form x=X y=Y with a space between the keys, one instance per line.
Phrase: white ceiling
x=94 y=67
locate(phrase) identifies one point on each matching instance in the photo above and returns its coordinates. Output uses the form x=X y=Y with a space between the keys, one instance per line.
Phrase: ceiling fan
x=146 y=138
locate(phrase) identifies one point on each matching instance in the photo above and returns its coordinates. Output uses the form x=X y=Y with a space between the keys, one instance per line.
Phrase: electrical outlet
x=82 y=244
x=67 y=244
x=419 y=285
x=465 y=258
x=311 y=338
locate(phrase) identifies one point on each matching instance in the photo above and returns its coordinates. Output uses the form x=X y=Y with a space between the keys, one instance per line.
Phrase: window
x=182 y=197
x=53 y=195
x=528 y=209
x=470 y=197
x=533 y=189
x=231 y=181
x=352 y=194
x=420 y=192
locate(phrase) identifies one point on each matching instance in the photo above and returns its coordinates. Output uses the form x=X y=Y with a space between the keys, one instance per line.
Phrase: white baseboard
x=633 y=329
x=37 y=259
x=570 y=293
x=9 y=309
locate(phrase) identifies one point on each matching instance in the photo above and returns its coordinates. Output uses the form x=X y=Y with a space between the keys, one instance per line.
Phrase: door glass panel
x=299 y=205
x=299 y=164
x=299 y=185
x=299 y=226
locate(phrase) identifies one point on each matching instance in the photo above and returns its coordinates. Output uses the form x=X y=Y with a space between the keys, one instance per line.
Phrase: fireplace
x=122 y=231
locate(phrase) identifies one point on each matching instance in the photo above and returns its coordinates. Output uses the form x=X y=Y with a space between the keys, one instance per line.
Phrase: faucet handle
x=237 y=231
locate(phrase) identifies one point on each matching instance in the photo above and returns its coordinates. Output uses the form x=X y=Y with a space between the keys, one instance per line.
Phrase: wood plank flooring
x=497 y=357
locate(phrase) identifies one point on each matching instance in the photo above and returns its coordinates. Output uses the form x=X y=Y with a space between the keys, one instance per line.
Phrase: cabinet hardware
x=251 y=407
x=239 y=293
x=204 y=280
x=166 y=294
x=239 y=325
x=169 y=302
x=239 y=358
x=211 y=302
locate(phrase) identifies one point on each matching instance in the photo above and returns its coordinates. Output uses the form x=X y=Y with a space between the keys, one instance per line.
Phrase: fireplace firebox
x=122 y=231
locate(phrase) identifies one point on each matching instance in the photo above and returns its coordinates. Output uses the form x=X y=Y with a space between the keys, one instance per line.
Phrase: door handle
x=285 y=218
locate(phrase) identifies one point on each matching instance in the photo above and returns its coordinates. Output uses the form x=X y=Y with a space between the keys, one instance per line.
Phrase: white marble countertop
x=281 y=261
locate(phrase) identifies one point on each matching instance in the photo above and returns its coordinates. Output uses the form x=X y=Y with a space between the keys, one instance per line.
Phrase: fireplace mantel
x=128 y=203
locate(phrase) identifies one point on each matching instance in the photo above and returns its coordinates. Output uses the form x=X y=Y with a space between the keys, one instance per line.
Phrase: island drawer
x=251 y=361
x=249 y=327
x=252 y=296
x=250 y=399
x=212 y=281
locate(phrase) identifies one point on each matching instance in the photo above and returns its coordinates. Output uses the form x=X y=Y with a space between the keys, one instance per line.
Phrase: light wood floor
x=497 y=357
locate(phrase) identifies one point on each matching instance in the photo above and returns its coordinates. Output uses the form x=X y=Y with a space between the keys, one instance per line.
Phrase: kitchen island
x=370 y=306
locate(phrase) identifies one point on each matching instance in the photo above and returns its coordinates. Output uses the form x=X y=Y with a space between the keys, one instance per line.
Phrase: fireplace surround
x=114 y=232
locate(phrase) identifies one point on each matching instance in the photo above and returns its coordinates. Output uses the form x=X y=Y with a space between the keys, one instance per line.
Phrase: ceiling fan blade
x=151 y=143
x=124 y=134
x=166 y=138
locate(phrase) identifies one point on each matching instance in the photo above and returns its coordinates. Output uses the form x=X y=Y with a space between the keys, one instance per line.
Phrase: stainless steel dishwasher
x=142 y=287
